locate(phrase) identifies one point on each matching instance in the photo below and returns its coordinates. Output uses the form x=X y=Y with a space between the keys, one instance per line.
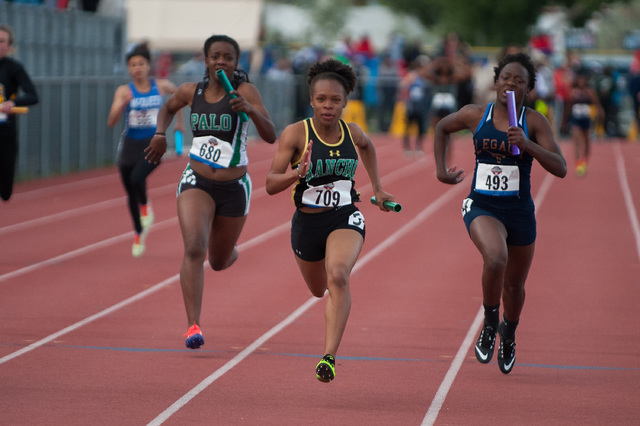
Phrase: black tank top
x=221 y=121
x=329 y=180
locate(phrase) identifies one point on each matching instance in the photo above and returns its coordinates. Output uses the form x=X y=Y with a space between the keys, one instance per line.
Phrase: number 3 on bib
x=356 y=219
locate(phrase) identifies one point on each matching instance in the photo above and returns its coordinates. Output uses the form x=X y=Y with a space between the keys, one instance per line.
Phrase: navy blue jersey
x=500 y=176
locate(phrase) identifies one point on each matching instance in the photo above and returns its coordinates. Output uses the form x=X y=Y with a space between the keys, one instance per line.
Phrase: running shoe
x=485 y=344
x=194 y=337
x=326 y=369
x=138 y=246
x=506 y=352
x=581 y=168
x=146 y=217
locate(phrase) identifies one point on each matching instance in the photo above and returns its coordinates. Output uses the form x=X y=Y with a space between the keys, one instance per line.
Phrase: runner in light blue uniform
x=138 y=102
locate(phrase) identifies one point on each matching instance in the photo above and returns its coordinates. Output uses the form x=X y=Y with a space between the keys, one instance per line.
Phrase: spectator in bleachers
x=606 y=85
x=563 y=78
x=387 y=89
x=541 y=98
x=194 y=66
x=416 y=92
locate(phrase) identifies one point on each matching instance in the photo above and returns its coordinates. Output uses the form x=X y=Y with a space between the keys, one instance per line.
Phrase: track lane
x=412 y=317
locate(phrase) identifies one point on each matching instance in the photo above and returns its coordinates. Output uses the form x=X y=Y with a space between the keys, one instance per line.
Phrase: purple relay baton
x=513 y=118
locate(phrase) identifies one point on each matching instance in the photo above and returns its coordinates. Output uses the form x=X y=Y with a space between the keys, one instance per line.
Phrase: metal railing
x=67 y=130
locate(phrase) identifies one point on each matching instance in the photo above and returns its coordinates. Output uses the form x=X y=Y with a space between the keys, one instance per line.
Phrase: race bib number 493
x=497 y=180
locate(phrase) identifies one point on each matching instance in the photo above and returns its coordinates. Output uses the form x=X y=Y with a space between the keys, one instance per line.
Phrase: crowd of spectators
x=456 y=76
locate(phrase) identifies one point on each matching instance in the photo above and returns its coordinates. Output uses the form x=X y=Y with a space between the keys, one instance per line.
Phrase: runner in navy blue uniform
x=138 y=102
x=12 y=77
x=583 y=99
x=327 y=230
x=499 y=211
x=215 y=189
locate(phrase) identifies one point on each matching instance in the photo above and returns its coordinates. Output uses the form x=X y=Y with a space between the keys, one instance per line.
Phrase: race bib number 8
x=497 y=180
x=334 y=194
x=211 y=151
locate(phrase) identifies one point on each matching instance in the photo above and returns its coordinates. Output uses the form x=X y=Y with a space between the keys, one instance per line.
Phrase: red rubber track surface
x=90 y=335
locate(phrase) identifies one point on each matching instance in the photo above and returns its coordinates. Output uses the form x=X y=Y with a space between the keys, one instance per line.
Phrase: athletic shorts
x=519 y=220
x=130 y=151
x=309 y=231
x=231 y=197
x=583 y=123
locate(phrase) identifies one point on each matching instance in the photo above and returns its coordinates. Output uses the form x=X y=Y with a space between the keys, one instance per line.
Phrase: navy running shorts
x=519 y=219
x=309 y=231
x=583 y=123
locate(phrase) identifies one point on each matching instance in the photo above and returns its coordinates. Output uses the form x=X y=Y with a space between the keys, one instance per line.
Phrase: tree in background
x=492 y=22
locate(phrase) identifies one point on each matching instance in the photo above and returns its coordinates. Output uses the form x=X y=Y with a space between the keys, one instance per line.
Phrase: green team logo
x=343 y=167
x=222 y=123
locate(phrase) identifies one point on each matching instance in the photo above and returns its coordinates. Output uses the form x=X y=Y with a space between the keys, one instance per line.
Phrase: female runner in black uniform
x=215 y=188
x=12 y=77
x=327 y=231
x=499 y=211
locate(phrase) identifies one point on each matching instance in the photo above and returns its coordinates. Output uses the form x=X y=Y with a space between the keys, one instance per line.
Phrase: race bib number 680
x=212 y=151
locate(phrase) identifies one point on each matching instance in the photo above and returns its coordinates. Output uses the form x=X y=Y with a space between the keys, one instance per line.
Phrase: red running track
x=89 y=335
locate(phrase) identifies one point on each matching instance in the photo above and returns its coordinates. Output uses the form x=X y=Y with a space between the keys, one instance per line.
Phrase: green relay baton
x=227 y=88
x=390 y=204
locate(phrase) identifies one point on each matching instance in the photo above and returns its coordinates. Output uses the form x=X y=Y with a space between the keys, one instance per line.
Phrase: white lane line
x=257 y=193
x=78 y=211
x=88 y=209
x=82 y=250
x=65 y=187
x=443 y=390
x=628 y=197
x=388 y=243
x=246 y=245
x=250 y=243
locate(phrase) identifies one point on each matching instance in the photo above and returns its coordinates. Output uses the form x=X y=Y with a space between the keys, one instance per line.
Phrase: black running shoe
x=507 y=352
x=326 y=369
x=485 y=344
